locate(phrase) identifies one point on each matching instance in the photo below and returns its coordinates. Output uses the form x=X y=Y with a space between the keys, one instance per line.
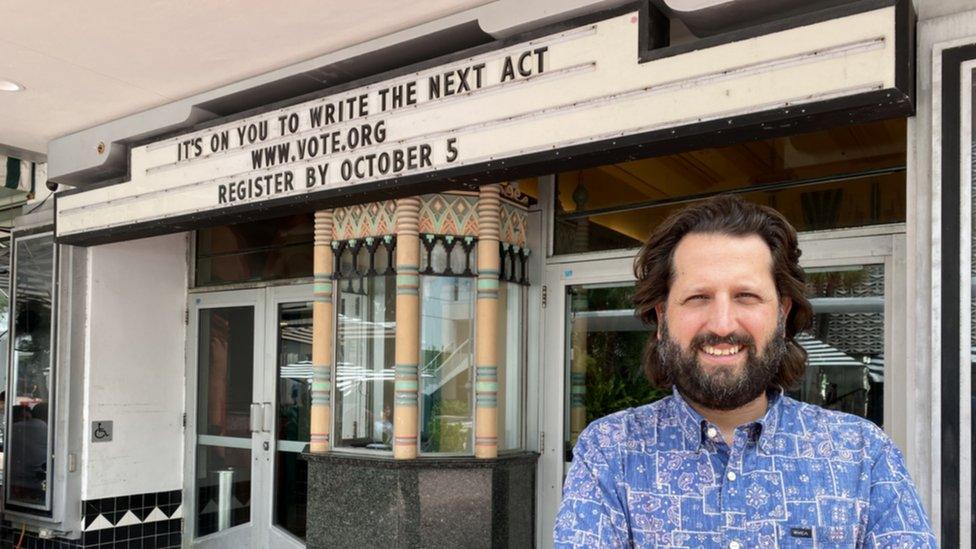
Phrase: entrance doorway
x=593 y=343
x=248 y=411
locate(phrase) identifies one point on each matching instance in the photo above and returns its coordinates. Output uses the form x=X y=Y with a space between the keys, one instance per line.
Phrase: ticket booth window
x=366 y=332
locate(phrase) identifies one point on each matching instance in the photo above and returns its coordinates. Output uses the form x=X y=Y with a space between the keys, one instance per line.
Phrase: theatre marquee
x=589 y=88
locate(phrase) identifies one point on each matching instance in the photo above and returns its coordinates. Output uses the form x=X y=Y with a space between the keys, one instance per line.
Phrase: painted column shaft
x=322 y=330
x=407 y=328
x=486 y=345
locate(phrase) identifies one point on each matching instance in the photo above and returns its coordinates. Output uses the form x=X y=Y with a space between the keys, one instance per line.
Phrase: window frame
x=15 y=238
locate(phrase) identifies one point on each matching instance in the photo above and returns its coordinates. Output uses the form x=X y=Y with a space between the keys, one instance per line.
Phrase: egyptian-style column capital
x=407 y=328
x=486 y=348
x=322 y=331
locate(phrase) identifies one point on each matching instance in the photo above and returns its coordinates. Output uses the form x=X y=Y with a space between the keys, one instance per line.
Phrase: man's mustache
x=712 y=339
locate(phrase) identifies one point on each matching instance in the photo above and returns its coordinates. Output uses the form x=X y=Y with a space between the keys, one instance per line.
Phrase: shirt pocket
x=836 y=536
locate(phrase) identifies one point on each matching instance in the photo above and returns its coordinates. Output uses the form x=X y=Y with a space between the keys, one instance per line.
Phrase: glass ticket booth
x=251 y=359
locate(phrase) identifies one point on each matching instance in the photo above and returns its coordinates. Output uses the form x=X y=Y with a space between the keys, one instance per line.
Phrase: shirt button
x=731 y=476
x=735 y=545
x=711 y=432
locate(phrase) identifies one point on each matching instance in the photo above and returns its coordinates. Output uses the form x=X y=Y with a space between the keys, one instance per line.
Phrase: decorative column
x=577 y=366
x=486 y=344
x=322 y=318
x=407 y=328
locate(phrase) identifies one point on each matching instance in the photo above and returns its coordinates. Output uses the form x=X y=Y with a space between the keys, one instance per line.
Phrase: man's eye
x=696 y=298
x=748 y=297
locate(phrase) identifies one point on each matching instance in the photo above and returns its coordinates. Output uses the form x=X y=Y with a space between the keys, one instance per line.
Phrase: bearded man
x=728 y=460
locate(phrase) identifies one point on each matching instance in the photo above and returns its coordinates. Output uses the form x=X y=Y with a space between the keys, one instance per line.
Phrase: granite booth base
x=362 y=501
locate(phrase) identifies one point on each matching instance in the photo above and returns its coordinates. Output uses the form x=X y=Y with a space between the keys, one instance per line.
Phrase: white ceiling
x=85 y=63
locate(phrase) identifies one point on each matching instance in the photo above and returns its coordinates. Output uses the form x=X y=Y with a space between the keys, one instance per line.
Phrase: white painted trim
x=872 y=230
x=266 y=533
x=965 y=297
x=924 y=248
x=224 y=442
x=293 y=446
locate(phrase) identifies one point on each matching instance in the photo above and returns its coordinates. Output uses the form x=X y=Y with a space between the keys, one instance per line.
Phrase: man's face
x=722 y=331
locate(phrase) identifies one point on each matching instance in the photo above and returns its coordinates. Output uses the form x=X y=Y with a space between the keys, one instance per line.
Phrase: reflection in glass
x=841 y=177
x=605 y=342
x=256 y=250
x=845 y=346
x=447 y=364
x=364 y=362
x=4 y=337
x=225 y=374
x=28 y=442
x=294 y=401
x=845 y=370
x=510 y=373
x=223 y=488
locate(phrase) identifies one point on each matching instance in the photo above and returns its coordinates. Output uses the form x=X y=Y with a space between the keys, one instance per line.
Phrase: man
x=728 y=460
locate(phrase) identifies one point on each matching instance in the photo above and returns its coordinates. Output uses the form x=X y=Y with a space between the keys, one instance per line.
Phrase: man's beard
x=723 y=389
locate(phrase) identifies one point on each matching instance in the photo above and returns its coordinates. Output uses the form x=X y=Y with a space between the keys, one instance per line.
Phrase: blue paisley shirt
x=662 y=476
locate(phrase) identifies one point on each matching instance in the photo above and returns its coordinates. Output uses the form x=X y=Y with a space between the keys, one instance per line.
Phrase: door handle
x=256 y=422
x=267 y=415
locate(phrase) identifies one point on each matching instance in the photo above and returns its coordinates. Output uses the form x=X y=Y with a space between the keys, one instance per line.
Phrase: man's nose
x=722 y=318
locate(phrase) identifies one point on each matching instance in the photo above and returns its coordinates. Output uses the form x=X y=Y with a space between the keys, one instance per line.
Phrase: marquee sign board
x=583 y=86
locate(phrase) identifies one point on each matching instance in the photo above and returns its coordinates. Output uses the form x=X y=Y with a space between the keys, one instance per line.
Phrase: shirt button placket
x=732 y=502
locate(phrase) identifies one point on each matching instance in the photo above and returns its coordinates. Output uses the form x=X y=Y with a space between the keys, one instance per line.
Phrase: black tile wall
x=160 y=534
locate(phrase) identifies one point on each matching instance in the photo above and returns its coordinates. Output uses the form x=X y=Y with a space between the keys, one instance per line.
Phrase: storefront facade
x=381 y=313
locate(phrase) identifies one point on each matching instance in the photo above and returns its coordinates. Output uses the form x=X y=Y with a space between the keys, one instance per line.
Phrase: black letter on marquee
x=522 y=59
x=434 y=87
x=315 y=116
x=478 y=70
x=538 y=53
x=508 y=71
x=452 y=150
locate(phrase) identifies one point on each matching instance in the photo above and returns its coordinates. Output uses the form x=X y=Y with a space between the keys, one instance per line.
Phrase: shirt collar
x=693 y=425
x=691 y=422
x=769 y=423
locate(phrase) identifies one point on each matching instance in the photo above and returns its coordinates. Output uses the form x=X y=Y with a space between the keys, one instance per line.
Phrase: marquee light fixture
x=10 y=85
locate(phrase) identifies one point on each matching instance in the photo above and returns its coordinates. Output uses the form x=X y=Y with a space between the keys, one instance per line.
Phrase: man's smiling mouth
x=715 y=351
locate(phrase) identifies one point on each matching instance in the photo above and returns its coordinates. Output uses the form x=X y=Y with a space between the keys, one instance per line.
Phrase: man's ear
x=785 y=304
x=659 y=311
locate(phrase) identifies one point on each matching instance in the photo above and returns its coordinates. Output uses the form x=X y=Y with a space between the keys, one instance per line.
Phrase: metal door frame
x=267 y=532
x=240 y=535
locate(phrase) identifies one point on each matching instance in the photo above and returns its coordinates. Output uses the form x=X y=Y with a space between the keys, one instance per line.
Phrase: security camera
x=51 y=185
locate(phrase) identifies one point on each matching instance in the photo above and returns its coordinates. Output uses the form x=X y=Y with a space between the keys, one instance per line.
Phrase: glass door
x=287 y=380
x=594 y=344
x=225 y=428
x=248 y=415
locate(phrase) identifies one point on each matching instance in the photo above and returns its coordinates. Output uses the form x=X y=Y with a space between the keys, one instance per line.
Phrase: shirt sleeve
x=591 y=513
x=896 y=517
